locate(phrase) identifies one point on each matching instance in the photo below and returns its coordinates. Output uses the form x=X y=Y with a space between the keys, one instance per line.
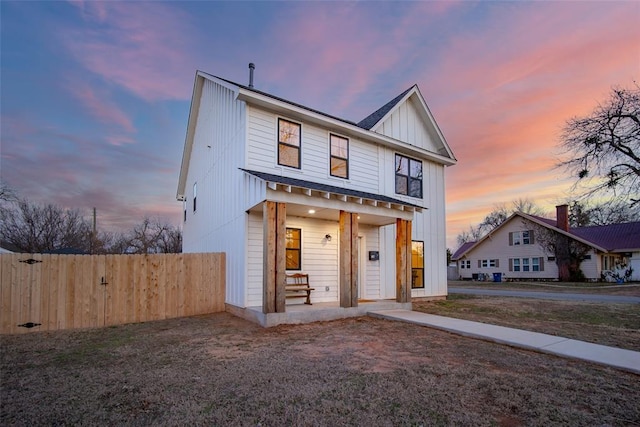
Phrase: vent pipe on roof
x=251 y=68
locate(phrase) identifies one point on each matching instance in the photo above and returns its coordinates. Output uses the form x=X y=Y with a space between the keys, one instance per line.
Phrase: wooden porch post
x=348 y=259
x=274 y=257
x=403 y=260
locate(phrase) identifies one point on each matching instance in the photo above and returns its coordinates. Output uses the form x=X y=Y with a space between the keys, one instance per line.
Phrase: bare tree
x=33 y=228
x=7 y=194
x=148 y=237
x=470 y=235
x=603 y=149
x=614 y=212
x=579 y=214
x=497 y=216
x=568 y=252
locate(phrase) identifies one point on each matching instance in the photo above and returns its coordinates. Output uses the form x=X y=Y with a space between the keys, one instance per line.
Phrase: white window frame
x=525 y=265
x=516 y=264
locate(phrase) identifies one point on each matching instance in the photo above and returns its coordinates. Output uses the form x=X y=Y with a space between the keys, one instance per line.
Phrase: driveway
x=619 y=299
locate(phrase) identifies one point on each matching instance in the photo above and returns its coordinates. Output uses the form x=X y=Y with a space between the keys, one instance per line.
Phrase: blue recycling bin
x=497 y=277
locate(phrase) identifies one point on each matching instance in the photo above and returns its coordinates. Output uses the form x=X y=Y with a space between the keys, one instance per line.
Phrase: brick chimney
x=562 y=217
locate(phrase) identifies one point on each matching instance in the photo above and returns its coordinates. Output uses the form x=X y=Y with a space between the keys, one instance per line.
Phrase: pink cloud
x=503 y=100
x=101 y=107
x=139 y=46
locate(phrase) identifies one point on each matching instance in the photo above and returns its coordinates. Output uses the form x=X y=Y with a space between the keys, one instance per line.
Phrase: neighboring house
x=511 y=250
x=282 y=188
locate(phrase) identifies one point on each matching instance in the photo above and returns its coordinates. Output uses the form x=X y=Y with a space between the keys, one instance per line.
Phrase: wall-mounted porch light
x=328 y=237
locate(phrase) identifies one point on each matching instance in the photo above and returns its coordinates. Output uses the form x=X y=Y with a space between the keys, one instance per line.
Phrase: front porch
x=318 y=312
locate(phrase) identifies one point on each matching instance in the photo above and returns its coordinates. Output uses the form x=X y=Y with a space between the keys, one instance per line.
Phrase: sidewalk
x=609 y=356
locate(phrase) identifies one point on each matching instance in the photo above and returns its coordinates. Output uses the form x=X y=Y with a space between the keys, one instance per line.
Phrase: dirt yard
x=221 y=370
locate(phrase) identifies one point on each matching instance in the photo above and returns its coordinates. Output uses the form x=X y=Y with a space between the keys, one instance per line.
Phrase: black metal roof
x=367 y=123
x=328 y=188
x=371 y=120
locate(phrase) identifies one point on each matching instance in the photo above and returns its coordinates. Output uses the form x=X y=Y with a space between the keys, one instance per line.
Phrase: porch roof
x=331 y=189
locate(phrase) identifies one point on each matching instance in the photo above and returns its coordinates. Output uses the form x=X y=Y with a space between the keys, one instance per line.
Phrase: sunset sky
x=95 y=95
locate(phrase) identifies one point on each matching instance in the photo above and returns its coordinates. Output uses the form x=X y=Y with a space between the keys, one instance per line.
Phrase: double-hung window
x=516 y=264
x=417 y=264
x=294 y=249
x=289 y=143
x=339 y=163
x=525 y=264
x=408 y=176
x=535 y=264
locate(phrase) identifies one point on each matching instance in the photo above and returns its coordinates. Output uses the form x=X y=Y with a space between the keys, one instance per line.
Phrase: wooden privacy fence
x=47 y=292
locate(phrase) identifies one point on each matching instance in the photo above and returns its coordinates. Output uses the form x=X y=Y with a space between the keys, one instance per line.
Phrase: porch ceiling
x=328 y=214
x=312 y=200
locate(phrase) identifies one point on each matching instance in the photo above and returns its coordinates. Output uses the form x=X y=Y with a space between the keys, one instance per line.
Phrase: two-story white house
x=282 y=188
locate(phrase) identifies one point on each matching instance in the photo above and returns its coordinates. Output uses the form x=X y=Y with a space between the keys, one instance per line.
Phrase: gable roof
x=604 y=238
x=462 y=250
x=375 y=121
x=266 y=100
x=372 y=119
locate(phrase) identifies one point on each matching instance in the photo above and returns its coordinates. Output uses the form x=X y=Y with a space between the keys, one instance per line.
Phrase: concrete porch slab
x=318 y=312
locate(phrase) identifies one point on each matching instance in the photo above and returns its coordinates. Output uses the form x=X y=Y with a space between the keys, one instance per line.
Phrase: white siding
x=319 y=258
x=497 y=247
x=219 y=221
x=370 y=289
x=407 y=124
x=634 y=262
x=262 y=153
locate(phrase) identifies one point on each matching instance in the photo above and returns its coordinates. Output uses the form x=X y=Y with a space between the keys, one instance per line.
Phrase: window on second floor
x=521 y=238
x=408 y=176
x=339 y=163
x=289 y=143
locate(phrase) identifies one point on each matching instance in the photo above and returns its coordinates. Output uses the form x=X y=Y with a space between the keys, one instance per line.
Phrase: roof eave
x=415 y=90
x=348 y=128
x=194 y=109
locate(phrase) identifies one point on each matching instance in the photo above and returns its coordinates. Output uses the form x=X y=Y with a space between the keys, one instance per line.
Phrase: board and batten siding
x=428 y=226
x=262 y=148
x=406 y=124
x=217 y=153
x=320 y=259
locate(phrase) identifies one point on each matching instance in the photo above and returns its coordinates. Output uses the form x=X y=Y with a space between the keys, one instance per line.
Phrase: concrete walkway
x=610 y=356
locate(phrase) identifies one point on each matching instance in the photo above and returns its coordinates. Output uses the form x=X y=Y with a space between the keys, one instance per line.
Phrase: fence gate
x=50 y=292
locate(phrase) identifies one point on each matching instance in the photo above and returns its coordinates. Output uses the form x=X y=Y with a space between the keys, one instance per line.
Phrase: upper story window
x=521 y=238
x=294 y=249
x=339 y=147
x=289 y=143
x=408 y=176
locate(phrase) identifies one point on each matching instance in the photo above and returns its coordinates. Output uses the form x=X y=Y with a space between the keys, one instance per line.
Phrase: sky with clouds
x=95 y=95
